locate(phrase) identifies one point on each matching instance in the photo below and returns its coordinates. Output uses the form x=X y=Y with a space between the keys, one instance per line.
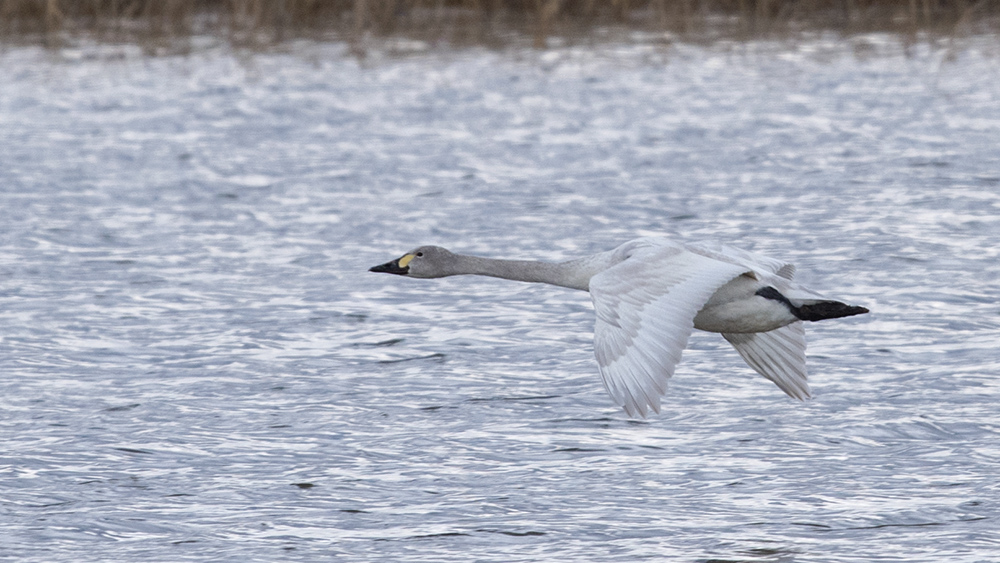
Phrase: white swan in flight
x=650 y=293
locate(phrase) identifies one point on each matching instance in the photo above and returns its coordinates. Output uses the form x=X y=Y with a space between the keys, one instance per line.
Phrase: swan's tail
x=821 y=310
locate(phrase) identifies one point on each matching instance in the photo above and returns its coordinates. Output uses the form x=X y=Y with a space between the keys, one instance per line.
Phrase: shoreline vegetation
x=261 y=23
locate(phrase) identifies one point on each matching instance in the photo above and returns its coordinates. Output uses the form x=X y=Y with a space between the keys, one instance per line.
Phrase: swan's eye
x=420 y=254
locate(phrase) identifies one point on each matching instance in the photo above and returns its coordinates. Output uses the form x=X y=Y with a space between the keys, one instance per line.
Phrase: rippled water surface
x=195 y=363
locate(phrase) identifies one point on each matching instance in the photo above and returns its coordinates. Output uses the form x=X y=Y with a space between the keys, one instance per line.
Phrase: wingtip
x=799 y=393
x=641 y=410
x=634 y=411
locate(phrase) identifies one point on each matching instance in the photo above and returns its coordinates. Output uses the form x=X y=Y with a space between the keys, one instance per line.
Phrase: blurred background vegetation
x=264 y=22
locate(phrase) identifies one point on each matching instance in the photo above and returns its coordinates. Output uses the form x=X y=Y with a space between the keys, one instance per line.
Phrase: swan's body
x=650 y=293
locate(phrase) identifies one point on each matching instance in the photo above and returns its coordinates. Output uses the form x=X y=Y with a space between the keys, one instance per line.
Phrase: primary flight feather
x=650 y=293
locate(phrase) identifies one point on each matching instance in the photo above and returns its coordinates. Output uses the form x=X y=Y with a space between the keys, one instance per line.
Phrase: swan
x=650 y=293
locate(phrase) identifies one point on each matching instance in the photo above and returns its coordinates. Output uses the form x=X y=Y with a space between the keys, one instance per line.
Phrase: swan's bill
x=399 y=267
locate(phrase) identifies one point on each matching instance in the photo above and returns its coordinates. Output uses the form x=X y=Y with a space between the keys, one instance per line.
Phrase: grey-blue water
x=195 y=363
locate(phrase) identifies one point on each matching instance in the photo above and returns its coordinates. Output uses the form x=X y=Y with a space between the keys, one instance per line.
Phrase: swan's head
x=424 y=262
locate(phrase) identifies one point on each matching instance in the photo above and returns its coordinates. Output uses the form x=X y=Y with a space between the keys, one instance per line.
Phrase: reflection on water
x=196 y=364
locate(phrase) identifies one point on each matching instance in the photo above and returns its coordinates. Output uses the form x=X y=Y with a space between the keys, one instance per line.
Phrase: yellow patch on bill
x=405 y=260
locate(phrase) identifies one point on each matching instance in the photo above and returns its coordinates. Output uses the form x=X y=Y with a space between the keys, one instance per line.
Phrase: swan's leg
x=813 y=310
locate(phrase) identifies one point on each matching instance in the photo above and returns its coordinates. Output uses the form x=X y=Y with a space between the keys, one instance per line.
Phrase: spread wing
x=645 y=309
x=779 y=355
x=749 y=260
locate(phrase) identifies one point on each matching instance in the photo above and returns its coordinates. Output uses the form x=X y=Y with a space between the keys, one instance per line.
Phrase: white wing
x=645 y=309
x=779 y=355
x=749 y=260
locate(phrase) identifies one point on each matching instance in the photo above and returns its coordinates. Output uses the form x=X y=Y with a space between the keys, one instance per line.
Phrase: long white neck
x=574 y=274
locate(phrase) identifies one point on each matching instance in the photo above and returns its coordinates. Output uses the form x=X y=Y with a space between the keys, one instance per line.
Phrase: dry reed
x=270 y=21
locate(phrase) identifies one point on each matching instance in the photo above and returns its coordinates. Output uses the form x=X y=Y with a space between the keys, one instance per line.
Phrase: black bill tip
x=390 y=268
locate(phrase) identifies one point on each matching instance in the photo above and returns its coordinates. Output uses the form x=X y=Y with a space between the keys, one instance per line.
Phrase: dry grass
x=476 y=21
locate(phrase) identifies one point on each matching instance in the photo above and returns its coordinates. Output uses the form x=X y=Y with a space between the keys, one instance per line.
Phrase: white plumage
x=650 y=293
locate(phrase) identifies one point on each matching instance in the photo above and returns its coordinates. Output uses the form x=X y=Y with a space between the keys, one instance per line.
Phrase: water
x=196 y=365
